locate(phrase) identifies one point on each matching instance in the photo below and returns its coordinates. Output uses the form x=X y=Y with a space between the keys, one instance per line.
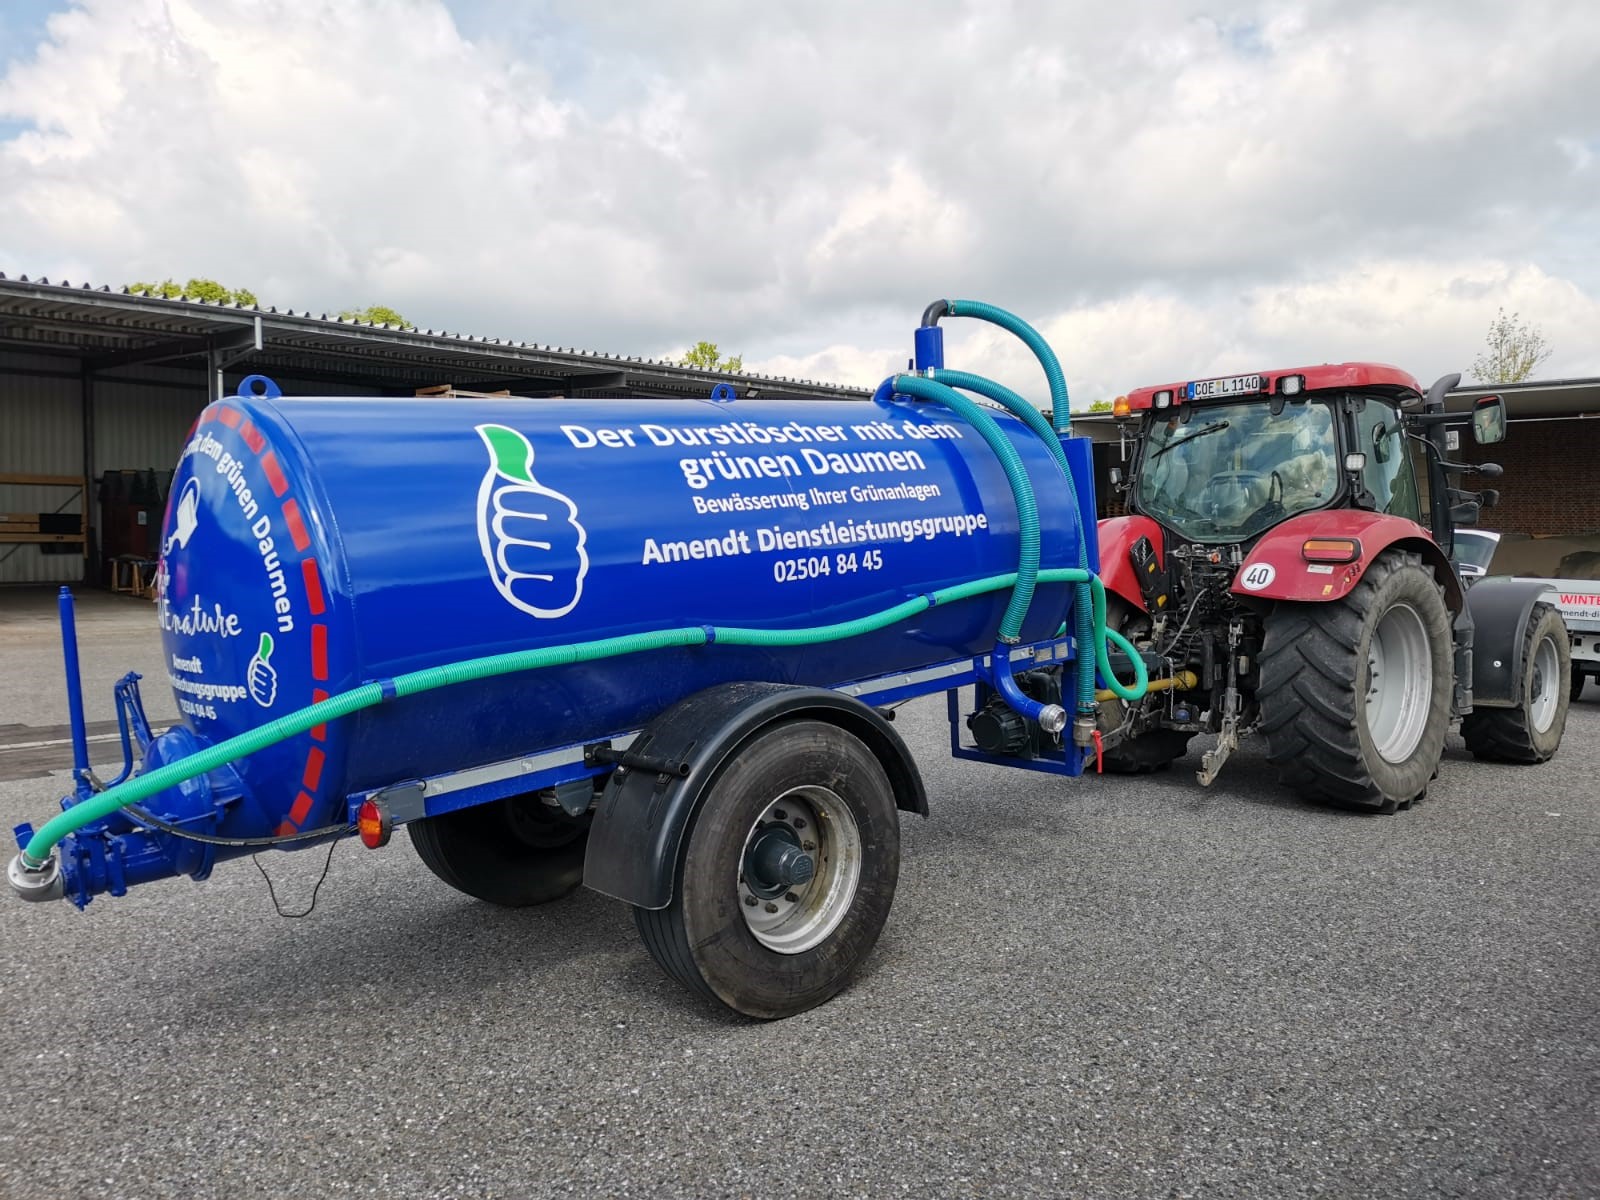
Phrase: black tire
x=1513 y=735
x=1316 y=674
x=512 y=852
x=703 y=939
x=1578 y=680
x=1153 y=749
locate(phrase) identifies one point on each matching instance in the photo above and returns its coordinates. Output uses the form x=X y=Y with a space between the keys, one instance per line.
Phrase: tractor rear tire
x=1154 y=749
x=1530 y=732
x=514 y=852
x=1355 y=693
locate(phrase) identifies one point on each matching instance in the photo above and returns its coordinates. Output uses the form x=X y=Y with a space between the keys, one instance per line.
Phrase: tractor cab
x=1221 y=461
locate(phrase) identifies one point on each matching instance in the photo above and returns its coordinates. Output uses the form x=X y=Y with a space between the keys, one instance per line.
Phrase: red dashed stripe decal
x=275 y=476
x=316 y=598
x=313 y=577
x=297 y=526
x=319 y=652
x=313 y=772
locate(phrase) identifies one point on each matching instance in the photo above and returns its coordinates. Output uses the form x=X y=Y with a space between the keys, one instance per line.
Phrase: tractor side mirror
x=1489 y=420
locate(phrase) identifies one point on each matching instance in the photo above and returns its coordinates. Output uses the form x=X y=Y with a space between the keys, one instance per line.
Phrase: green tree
x=196 y=289
x=1515 y=349
x=378 y=314
x=706 y=356
x=1100 y=406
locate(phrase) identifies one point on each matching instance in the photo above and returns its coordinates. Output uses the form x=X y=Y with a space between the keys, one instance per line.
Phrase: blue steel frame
x=456 y=790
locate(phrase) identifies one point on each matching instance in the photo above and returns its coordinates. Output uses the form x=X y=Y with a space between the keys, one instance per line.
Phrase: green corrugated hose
x=1021 y=491
x=369 y=695
x=1060 y=407
x=1034 y=420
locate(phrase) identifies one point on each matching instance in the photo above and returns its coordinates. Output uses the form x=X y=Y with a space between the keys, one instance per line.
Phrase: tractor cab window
x=1234 y=470
x=1389 y=474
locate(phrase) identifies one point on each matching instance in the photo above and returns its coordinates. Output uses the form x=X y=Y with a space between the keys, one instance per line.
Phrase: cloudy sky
x=1168 y=189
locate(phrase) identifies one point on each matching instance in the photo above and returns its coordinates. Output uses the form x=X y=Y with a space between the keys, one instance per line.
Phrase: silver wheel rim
x=1399 y=683
x=806 y=914
x=1542 y=699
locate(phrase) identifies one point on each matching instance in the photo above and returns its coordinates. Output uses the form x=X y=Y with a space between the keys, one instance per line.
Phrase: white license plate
x=1233 y=385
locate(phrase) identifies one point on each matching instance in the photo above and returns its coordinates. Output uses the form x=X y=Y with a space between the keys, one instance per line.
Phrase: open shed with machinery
x=98 y=389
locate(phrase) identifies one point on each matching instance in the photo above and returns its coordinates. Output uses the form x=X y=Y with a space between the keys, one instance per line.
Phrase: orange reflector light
x=1331 y=550
x=373 y=824
x=1120 y=407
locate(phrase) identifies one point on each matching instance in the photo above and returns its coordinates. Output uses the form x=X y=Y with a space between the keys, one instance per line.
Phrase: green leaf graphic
x=513 y=456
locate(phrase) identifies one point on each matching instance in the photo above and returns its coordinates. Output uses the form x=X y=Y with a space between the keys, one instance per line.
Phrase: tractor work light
x=1355 y=461
x=373 y=824
x=1291 y=385
x=1330 y=550
x=1162 y=399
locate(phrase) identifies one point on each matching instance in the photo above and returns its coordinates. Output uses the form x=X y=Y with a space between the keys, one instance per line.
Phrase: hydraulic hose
x=1059 y=406
x=1031 y=417
x=369 y=695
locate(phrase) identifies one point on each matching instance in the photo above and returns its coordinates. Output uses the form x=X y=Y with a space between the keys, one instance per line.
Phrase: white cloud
x=1167 y=189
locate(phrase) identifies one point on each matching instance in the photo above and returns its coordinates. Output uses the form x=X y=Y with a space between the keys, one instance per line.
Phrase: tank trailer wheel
x=787 y=874
x=1154 y=749
x=513 y=852
x=1531 y=731
x=1355 y=693
x=1578 y=681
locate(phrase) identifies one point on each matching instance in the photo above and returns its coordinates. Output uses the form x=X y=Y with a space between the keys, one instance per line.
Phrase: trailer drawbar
x=649 y=646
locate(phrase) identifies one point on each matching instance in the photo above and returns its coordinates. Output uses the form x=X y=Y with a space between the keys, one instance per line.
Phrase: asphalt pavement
x=1106 y=988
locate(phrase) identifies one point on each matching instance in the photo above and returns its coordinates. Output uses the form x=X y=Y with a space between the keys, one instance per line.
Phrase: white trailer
x=1577 y=599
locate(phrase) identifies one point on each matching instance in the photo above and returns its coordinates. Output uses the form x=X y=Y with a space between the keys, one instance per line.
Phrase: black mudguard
x=636 y=839
x=1501 y=607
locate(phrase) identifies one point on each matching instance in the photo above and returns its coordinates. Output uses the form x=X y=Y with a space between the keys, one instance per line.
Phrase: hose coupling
x=1052 y=718
x=1083 y=730
x=43 y=882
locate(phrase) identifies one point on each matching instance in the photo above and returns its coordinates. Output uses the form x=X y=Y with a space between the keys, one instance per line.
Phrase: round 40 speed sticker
x=1257 y=576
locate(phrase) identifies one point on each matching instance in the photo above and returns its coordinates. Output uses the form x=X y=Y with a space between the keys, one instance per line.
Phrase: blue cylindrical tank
x=311 y=545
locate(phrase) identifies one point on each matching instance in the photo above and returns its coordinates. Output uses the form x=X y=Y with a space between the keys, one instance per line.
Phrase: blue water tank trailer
x=649 y=645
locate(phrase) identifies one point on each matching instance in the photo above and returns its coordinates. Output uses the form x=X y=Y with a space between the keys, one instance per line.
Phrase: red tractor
x=1285 y=568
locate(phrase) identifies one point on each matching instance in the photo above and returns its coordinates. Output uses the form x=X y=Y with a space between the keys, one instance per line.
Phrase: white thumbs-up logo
x=531 y=539
x=187 y=518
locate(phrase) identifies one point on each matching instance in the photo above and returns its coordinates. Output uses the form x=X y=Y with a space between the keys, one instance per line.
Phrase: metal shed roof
x=103 y=328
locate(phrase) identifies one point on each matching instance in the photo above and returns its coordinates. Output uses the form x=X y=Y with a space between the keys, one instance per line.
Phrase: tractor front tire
x=514 y=852
x=1531 y=731
x=1355 y=693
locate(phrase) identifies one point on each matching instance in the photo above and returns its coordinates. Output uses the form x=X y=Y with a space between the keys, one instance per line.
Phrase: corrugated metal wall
x=141 y=415
x=40 y=434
